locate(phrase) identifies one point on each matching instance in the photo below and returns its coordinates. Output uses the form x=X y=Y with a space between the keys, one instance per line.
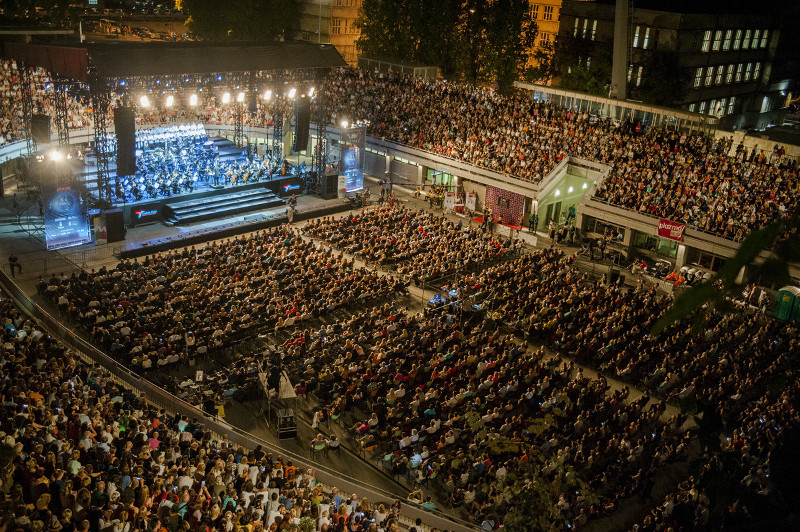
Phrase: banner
x=353 y=143
x=449 y=201
x=342 y=185
x=671 y=230
x=472 y=199
x=65 y=221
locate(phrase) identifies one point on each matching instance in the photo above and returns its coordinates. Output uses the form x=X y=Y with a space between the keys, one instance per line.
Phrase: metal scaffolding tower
x=61 y=107
x=101 y=96
x=27 y=107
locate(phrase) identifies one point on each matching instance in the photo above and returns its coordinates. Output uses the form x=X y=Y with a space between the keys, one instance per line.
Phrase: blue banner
x=353 y=143
x=65 y=221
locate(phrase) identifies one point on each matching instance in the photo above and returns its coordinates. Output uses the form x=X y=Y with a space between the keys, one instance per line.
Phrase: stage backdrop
x=65 y=221
x=353 y=144
x=507 y=204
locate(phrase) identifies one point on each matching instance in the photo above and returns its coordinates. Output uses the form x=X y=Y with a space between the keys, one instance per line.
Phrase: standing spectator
x=13 y=264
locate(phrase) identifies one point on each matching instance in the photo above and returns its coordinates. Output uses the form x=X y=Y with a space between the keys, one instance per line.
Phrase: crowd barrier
x=172 y=404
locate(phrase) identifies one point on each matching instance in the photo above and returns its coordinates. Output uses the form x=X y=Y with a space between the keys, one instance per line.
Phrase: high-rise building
x=333 y=22
x=699 y=57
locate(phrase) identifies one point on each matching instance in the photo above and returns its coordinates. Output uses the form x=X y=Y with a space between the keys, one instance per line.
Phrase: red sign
x=673 y=230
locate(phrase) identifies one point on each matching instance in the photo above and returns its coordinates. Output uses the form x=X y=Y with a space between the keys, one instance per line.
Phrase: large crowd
x=81 y=453
x=687 y=178
x=416 y=244
x=168 y=308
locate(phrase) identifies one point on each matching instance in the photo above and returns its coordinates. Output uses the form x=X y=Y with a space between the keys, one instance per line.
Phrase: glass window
x=729 y=74
x=738 y=72
x=585 y=27
x=756 y=71
x=712 y=105
x=594 y=29
x=636 y=37
x=731 y=105
x=717 y=40
x=709 y=75
x=639 y=76
x=720 y=70
x=747 y=71
x=630 y=73
x=336 y=26
x=756 y=37
x=588 y=63
x=746 y=41
x=707 y=41
x=535 y=15
x=692 y=107
x=548 y=13
x=702 y=108
x=577 y=21
x=726 y=44
x=667 y=248
x=698 y=77
x=646 y=38
x=721 y=107
x=738 y=40
x=764 y=38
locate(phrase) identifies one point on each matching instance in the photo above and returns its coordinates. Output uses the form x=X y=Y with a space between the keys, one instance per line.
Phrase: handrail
x=163 y=399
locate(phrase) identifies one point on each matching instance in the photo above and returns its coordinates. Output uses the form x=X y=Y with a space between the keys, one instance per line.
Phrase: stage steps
x=221 y=205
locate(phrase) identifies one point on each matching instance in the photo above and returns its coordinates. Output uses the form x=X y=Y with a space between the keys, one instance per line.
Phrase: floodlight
x=226 y=98
x=170 y=100
x=311 y=92
x=268 y=94
x=240 y=97
x=56 y=156
x=193 y=100
x=292 y=92
x=144 y=101
x=344 y=123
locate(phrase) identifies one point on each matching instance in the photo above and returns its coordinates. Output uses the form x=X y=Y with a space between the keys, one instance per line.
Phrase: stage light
x=558 y=192
x=311 y=92
x=226 y=98
x=240 y=97
x=344 y=123
x=292 y=92
x=570 y=190
x=144 y=101
x=268 y=94
x=193 y=100
x=170 y=100
x=585 y=186
x=56 y=156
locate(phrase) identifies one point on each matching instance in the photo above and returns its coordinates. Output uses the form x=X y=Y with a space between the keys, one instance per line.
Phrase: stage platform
x=161 y=237
x=219 y=206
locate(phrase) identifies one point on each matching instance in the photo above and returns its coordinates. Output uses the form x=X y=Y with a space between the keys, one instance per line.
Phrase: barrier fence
x=162 y=399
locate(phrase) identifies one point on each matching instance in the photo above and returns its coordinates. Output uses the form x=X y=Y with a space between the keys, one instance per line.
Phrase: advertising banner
x=353 y=143
x=342 y=185
x=472 y=199
x=65 y=221
x=449 y=201
x=671 y=230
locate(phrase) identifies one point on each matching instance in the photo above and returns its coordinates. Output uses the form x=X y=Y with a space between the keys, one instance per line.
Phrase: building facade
x=331 y=22
x=715 y=64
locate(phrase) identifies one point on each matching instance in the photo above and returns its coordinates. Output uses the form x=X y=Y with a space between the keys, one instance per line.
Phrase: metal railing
x=162 y=399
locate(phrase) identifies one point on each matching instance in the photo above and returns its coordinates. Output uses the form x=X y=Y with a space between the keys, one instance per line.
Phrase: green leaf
x=749 y=249
x=774 y=271
x=685 y=305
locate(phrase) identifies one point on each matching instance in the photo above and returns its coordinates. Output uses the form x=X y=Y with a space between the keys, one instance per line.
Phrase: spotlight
x=56 y=156
x=193 y=100
x=311 y=92
x=558 y=192
x=170 y=100
x=344 y=123
x=585 y=186
x=267 y=94
x=226 y=98
x=570 y=189
x=292 y=92
x=240 y=97
x=144 y=101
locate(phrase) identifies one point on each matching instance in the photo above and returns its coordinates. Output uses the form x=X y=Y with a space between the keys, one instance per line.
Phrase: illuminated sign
x=287 y=187
x=140 y=214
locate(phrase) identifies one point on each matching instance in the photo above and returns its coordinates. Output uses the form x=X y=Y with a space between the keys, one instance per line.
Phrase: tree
x=663 y=80
x=477 y=41
x=571 y=59
x=249 y=20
